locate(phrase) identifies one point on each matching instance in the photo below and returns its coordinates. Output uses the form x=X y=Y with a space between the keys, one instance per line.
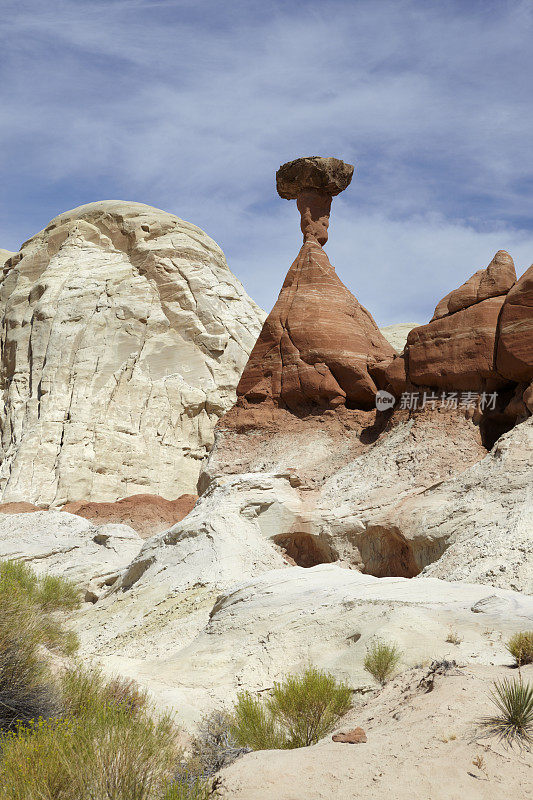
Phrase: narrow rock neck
x=314 y=207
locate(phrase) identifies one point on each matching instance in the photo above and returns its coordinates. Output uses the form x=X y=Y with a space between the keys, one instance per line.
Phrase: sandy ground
x=420 y=746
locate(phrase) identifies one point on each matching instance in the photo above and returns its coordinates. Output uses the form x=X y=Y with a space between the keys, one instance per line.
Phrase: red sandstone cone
x=317 y=342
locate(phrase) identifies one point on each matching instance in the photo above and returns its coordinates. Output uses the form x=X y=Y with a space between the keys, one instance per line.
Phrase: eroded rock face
x=63 y=544
x=4 y=255
x=123 y=337
x=494 y=281
x=316 y=344
x=456 y=349
x=456 y=352
x=514 y=358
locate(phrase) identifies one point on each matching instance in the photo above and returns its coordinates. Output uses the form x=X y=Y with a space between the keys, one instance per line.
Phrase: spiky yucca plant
x=514 y=720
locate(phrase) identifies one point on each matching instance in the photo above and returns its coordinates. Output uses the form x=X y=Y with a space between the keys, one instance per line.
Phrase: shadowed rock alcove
x=305 y=549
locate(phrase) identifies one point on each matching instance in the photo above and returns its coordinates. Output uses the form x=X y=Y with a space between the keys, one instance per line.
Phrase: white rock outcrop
x=123 y=334
x=196 y=656
x=4 y=255
x=58 y=543
x=396 y=335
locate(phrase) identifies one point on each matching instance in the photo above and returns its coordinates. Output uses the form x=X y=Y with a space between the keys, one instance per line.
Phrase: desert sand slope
x=123 y=334
x=196 y=656
x=419 y=747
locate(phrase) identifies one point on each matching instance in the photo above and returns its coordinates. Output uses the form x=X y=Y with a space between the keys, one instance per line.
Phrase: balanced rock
x=317 y=342
x=123 y=336
x=514 y=359
x=328 y=175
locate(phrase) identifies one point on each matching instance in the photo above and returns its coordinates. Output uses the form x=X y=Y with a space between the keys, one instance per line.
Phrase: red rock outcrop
x=514 y=358
x=455 y=351
x=148 y=514
x=317 y=343
x=355 y=736
x=494 y=281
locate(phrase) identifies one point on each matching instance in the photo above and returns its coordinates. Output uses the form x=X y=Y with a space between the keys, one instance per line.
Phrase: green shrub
x=83 y=691
x=55 y=593
x=254 y=725
x=182 y=789
x=111 y=749
x=521 y=647
x=381 y=660
x=47 y=592
x=514 y=720
x=29 y=619
x=298 y=712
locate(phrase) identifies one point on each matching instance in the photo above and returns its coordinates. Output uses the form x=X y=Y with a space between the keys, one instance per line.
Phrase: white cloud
x=191 y=106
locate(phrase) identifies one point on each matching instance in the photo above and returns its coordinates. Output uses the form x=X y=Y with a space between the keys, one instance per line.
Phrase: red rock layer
x=316 y=344
x=19 y=508
x=456 y=352
x=514 y=359
x=148 y=514
x=494 y=281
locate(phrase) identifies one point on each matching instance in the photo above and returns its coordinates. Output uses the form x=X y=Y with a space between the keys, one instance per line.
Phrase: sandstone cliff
x=123 y=336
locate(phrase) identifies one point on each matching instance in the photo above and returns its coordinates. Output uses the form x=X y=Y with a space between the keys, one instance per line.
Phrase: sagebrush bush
x=108 y=754
x=84 y=690
x=381 y=660
x=109 y=745
x=297 y=713
x=213 y=748
x=521 y=647
x=29 y=618
x=514 y=720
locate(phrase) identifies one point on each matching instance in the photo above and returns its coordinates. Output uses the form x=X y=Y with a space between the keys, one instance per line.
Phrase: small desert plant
x=47 y=592
x=514 y=721
x=85 y=690
x=298 y=712
x=453 y=637
x=255 y=726
x=381 y=660
x=521 y=647
x=195 y=789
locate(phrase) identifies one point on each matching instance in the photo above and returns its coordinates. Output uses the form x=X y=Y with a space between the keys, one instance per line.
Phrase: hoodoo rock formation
x=317 y=342
x=306 y=460
x=123 y=334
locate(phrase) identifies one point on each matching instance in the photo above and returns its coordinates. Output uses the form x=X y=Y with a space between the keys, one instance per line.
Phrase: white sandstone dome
x=123 y=337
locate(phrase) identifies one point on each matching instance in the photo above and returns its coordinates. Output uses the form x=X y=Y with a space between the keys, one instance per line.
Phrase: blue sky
x=192 y=106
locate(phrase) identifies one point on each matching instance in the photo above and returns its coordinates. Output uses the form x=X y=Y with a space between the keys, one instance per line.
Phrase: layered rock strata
x=122 y=338
x=316 y=344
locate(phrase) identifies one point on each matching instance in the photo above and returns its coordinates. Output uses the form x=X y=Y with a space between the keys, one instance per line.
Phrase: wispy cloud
x=191 y=106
